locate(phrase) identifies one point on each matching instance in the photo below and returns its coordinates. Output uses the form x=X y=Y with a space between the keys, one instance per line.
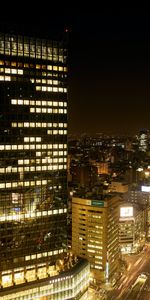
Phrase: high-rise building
x=95 y=234
x=33 y=158
x=34 y=261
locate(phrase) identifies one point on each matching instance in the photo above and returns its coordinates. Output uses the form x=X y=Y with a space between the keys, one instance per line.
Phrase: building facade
x=95 y=234
x=72 y=284
x=33 y=157
x=132 y=231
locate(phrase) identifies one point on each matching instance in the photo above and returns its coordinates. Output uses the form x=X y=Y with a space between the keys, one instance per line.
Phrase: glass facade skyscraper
x=33 y=157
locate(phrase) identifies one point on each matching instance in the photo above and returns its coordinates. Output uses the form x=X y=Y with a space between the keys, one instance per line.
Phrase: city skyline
x=74 y=213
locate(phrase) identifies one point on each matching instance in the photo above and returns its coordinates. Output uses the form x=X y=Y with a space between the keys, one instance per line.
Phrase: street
x=125 y=288
x=136 y=264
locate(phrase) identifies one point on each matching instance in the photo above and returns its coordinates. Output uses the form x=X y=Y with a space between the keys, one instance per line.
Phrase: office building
x=71 y=284
x=95 y=234
x=33 y=162
x=132 y=231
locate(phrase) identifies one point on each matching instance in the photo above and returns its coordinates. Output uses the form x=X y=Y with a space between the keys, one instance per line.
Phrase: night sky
x=109 y=66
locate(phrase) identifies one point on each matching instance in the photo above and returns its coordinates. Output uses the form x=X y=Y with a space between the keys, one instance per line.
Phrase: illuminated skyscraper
x=143 y=139
x=33 y=157
x=95 y=234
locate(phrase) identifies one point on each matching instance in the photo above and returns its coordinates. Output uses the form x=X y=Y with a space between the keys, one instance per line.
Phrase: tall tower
x=33 y=157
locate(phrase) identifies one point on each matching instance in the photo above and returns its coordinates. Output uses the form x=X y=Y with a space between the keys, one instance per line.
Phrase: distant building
x=83 y=174
x=139 y=195
x=143 y=139
x=95 y=234
x=118 y=187
x=131 y=228
x=102 y=167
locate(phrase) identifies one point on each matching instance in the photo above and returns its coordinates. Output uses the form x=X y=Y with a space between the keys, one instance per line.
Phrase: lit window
x=26 y=124
x=32 y=102
x=49 y=131
x=49 y=67
x=20 y=72
x=49 y=81
x=8 y=147
x=55 y=89
x=14 y=124
x=38 y=110
x=38 y=66
x=13 y=101
x=26 y=102
x=49 y=89
x=55 y=68
x=55 y=82
x=38 y=88
x=7 y=78
x=38 y=153
x=55 y=146
x=61 y=132
x=26 y=139
x=2 y=185
x=38 y=139
x=55 y=153
x=20 y=102
x=14 y=71
x=7 y=71
x=44 y=88
x=55 y=131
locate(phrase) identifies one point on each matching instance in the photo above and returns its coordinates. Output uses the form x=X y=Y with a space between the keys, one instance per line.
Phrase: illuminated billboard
x=126 y=211
x=145 y=188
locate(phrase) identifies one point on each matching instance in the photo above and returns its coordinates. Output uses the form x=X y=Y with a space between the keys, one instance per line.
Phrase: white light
x=126 y=211
x=145 y=188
